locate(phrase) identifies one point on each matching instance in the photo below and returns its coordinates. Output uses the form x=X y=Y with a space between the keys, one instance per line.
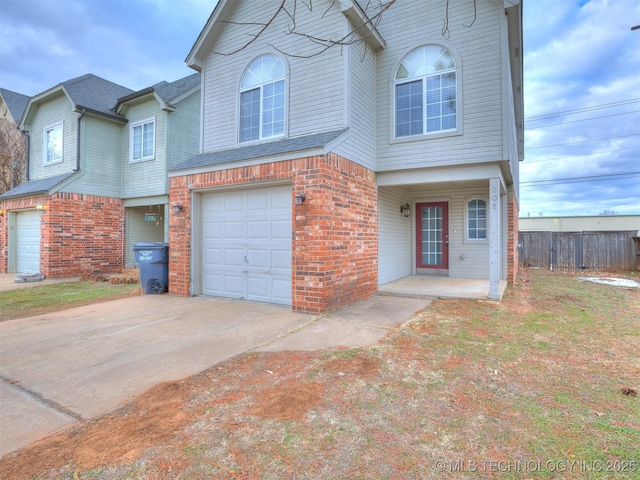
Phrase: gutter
x=77 y=169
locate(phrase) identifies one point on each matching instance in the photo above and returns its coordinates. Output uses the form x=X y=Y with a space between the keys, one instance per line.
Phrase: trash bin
x=153 y=261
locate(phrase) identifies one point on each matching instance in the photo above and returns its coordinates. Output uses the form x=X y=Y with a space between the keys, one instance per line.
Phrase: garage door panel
x=233 y=230
x=247 y=244
x=258 y=229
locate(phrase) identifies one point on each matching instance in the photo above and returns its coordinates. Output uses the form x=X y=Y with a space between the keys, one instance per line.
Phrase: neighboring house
x=13 y=144
x=323 y=176
x=96 y=175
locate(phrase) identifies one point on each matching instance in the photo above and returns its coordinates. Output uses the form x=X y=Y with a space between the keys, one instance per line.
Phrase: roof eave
x=210 y=33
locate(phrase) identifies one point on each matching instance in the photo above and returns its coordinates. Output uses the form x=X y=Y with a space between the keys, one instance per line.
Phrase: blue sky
x=582 y=81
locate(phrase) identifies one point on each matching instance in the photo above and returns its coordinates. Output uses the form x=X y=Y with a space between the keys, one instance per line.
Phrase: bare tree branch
x=13 y=156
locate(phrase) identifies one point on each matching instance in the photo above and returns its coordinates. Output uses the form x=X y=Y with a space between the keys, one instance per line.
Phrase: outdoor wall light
x=177 y=208
x=405 y=209
x=1 y=212
x=40 y=207
x=301 y=197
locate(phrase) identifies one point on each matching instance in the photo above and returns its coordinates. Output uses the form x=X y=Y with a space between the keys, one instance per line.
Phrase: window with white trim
x=142 y=140
x=477 y=219
x=426 y=92
x=262 y=99
x=53 y=144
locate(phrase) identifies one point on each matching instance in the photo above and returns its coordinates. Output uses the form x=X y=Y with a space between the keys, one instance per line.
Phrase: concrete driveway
x=66 y=367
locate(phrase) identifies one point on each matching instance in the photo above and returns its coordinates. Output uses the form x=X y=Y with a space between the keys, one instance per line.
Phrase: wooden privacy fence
x=578 y=250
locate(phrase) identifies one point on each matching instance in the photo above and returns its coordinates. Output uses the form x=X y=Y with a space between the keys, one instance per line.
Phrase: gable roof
x=87 y=92
x=16 y=103
x=166 y=92
x=224 y=9
x=262 y=150
x=36 y=187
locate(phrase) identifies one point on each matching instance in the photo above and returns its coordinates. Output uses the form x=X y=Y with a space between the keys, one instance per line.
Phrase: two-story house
x=96 y=174
x=326 y=172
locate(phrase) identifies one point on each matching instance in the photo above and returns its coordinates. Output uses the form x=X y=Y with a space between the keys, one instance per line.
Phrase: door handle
x=447 y=240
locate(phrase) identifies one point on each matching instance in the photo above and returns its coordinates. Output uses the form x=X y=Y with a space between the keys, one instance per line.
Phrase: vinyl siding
x=147 y=177
x=100 y=162
x=183 y=140
x=394 y=245
x=478 y=50
x=49 y=114
x=314 y=85
x=360 y=106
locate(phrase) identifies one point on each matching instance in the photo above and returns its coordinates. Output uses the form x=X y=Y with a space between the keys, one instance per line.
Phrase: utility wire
x=581 y=120
x=589 y=178
x=584 y=141
x=585 y=109
x=580 y=156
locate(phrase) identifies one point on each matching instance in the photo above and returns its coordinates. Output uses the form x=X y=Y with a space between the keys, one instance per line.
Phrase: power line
x=589 y=178
x=581 y=156
x=581 y=120
x=584 y=109
x=585 y=141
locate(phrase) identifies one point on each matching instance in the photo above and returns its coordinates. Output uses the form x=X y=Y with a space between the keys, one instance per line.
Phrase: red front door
x=432 y=235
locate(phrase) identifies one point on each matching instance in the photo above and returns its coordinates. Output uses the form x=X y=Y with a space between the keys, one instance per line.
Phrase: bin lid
x=150 y=245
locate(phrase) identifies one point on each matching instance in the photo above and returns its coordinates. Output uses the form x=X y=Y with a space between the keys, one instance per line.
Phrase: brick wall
x=81 y=235
x=513 y=212
x=335 y=231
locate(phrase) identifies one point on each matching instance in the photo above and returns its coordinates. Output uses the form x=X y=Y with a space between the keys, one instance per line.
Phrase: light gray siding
x=360 y=107
x=394 y=244
x=480 y=74
x=183 y=140
x=100 y=163
x=147 y=177
x=314 y=85
x=53 y=112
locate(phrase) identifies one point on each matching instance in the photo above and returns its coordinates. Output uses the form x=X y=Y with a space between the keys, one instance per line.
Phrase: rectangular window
x=143 y=140
x=250 y=115
x=53 y=145
x=477 y=220
x=262 y=112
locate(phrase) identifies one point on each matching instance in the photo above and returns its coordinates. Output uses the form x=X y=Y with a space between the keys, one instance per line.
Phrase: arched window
x=426 y=92
x=477 y=219
x=262 y=99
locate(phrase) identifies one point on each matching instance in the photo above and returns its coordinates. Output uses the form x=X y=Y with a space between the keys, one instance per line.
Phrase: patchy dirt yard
x=543 y=385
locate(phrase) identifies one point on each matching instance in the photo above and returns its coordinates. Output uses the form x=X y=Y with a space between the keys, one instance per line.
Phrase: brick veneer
x=81 y=235
x=335 y=230
x=513 y=211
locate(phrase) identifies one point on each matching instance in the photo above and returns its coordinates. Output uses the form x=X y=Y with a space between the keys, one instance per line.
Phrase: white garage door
x=28 y=242
x=246 y=244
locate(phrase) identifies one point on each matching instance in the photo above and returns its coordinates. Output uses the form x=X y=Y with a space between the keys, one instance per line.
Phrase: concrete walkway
x=66 y=367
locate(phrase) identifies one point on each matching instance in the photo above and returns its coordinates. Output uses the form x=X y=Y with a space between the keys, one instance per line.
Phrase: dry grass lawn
x=543 y=385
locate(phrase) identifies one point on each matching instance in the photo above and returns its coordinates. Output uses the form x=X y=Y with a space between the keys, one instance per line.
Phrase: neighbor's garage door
x=247 y=244
x=28 y=241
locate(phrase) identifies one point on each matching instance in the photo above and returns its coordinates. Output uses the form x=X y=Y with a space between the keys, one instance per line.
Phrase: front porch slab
x=425 y=286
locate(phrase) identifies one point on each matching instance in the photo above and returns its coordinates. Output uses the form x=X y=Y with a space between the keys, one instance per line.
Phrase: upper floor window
x=53 y=145
x=477 y=219
x=262 y=99
x=142 y=140
x=426 y=92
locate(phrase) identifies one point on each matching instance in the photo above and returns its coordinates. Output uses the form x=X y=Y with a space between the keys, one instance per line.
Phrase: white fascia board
x=356 y=15
x=453 y=173
x=210 y=33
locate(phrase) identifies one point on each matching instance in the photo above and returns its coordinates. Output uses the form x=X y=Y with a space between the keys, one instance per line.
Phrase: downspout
x=78 y=141
x=26 y=134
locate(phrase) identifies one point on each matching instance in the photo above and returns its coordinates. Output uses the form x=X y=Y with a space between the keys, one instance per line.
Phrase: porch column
x=495 y=222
